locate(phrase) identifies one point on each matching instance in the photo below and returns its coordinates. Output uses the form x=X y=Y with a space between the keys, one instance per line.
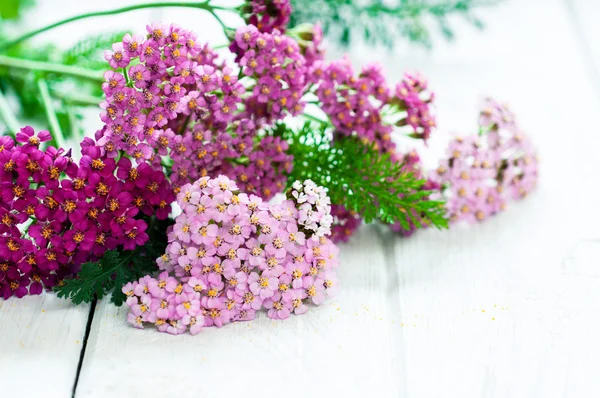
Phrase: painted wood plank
x=508 y=308
x=410 y=319
x=341 y=346
x=41 y=337
x=40 y=343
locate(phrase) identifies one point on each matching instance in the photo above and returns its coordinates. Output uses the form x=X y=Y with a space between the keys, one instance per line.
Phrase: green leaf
x=95 y=279
x=116 y=268
x=361 y=178
x=88 y=52
x=380 y=22
x=12 y=9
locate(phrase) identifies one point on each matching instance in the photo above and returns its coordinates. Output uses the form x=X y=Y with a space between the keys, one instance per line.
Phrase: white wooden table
x=509 y=308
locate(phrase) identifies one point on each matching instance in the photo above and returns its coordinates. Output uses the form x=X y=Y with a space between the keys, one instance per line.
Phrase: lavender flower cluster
x=269 y=15
x=56 y=214
x=276 y=64
x=232 y=254
x=180 y=104
x=356 y=104
x=482 y=173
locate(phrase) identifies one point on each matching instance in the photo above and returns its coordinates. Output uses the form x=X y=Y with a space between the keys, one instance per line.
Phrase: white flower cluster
x=314 y=207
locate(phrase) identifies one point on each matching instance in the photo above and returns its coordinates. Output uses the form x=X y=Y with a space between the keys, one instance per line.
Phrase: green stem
x=78 y=99
x=12 y=125
x=314 y=119
x=126 y=76
x=57 y=135
x=184 y=125
x=73 y=123
x=220 y=21
x=49 y=67
x=204 y=5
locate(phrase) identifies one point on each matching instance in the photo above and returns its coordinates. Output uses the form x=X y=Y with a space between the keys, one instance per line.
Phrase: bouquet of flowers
x=168 y=207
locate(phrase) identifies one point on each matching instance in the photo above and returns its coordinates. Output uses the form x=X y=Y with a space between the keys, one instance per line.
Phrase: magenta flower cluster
x=269 y=15
x=345 y=223
x=365 y=106
x=172 y=79
x=56 y=214
x=275 y=62
x=483 y=172
x=356 y=105
x=178 y=104
x=232 y=254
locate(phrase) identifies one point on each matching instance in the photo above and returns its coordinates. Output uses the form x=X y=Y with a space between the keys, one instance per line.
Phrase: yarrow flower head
x=314 y=207
x=275 y=62
x=310 y=40
x=345 y=223
x=56 y=214
x=481 y=173
x=178 y=104
x=365 y=106
x=268 y=15
x=231 y=255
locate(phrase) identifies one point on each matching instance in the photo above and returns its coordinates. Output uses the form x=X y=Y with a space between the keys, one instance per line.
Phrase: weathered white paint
x=40 y=344
x=509 y=308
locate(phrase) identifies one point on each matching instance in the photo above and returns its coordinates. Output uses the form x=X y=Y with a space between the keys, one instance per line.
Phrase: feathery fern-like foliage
x=116 y=268
x=382 y=22
x=361 y=178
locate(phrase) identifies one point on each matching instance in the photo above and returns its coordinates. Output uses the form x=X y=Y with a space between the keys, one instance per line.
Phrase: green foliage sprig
x=361 y=178
x=116 y=268
x=382 y=22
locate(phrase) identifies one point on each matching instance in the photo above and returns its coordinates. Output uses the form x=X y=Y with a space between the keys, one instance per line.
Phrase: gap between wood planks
x=88 y=328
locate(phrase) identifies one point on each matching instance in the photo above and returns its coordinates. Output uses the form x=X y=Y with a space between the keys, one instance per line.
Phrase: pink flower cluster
x=231 y=255
x=413 y=96
x=171 y=79
x=276 y=64
x=265 y=173
x=481 y=173
x=366 y=107
x=356 y=105
x=269 y=15
x=345 y=223
x=56 y=214
x=177 y=104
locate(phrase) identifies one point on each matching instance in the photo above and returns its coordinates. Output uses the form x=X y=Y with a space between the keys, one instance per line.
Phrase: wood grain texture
x=340 y=346
x=509 y=308
x=40 y=343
